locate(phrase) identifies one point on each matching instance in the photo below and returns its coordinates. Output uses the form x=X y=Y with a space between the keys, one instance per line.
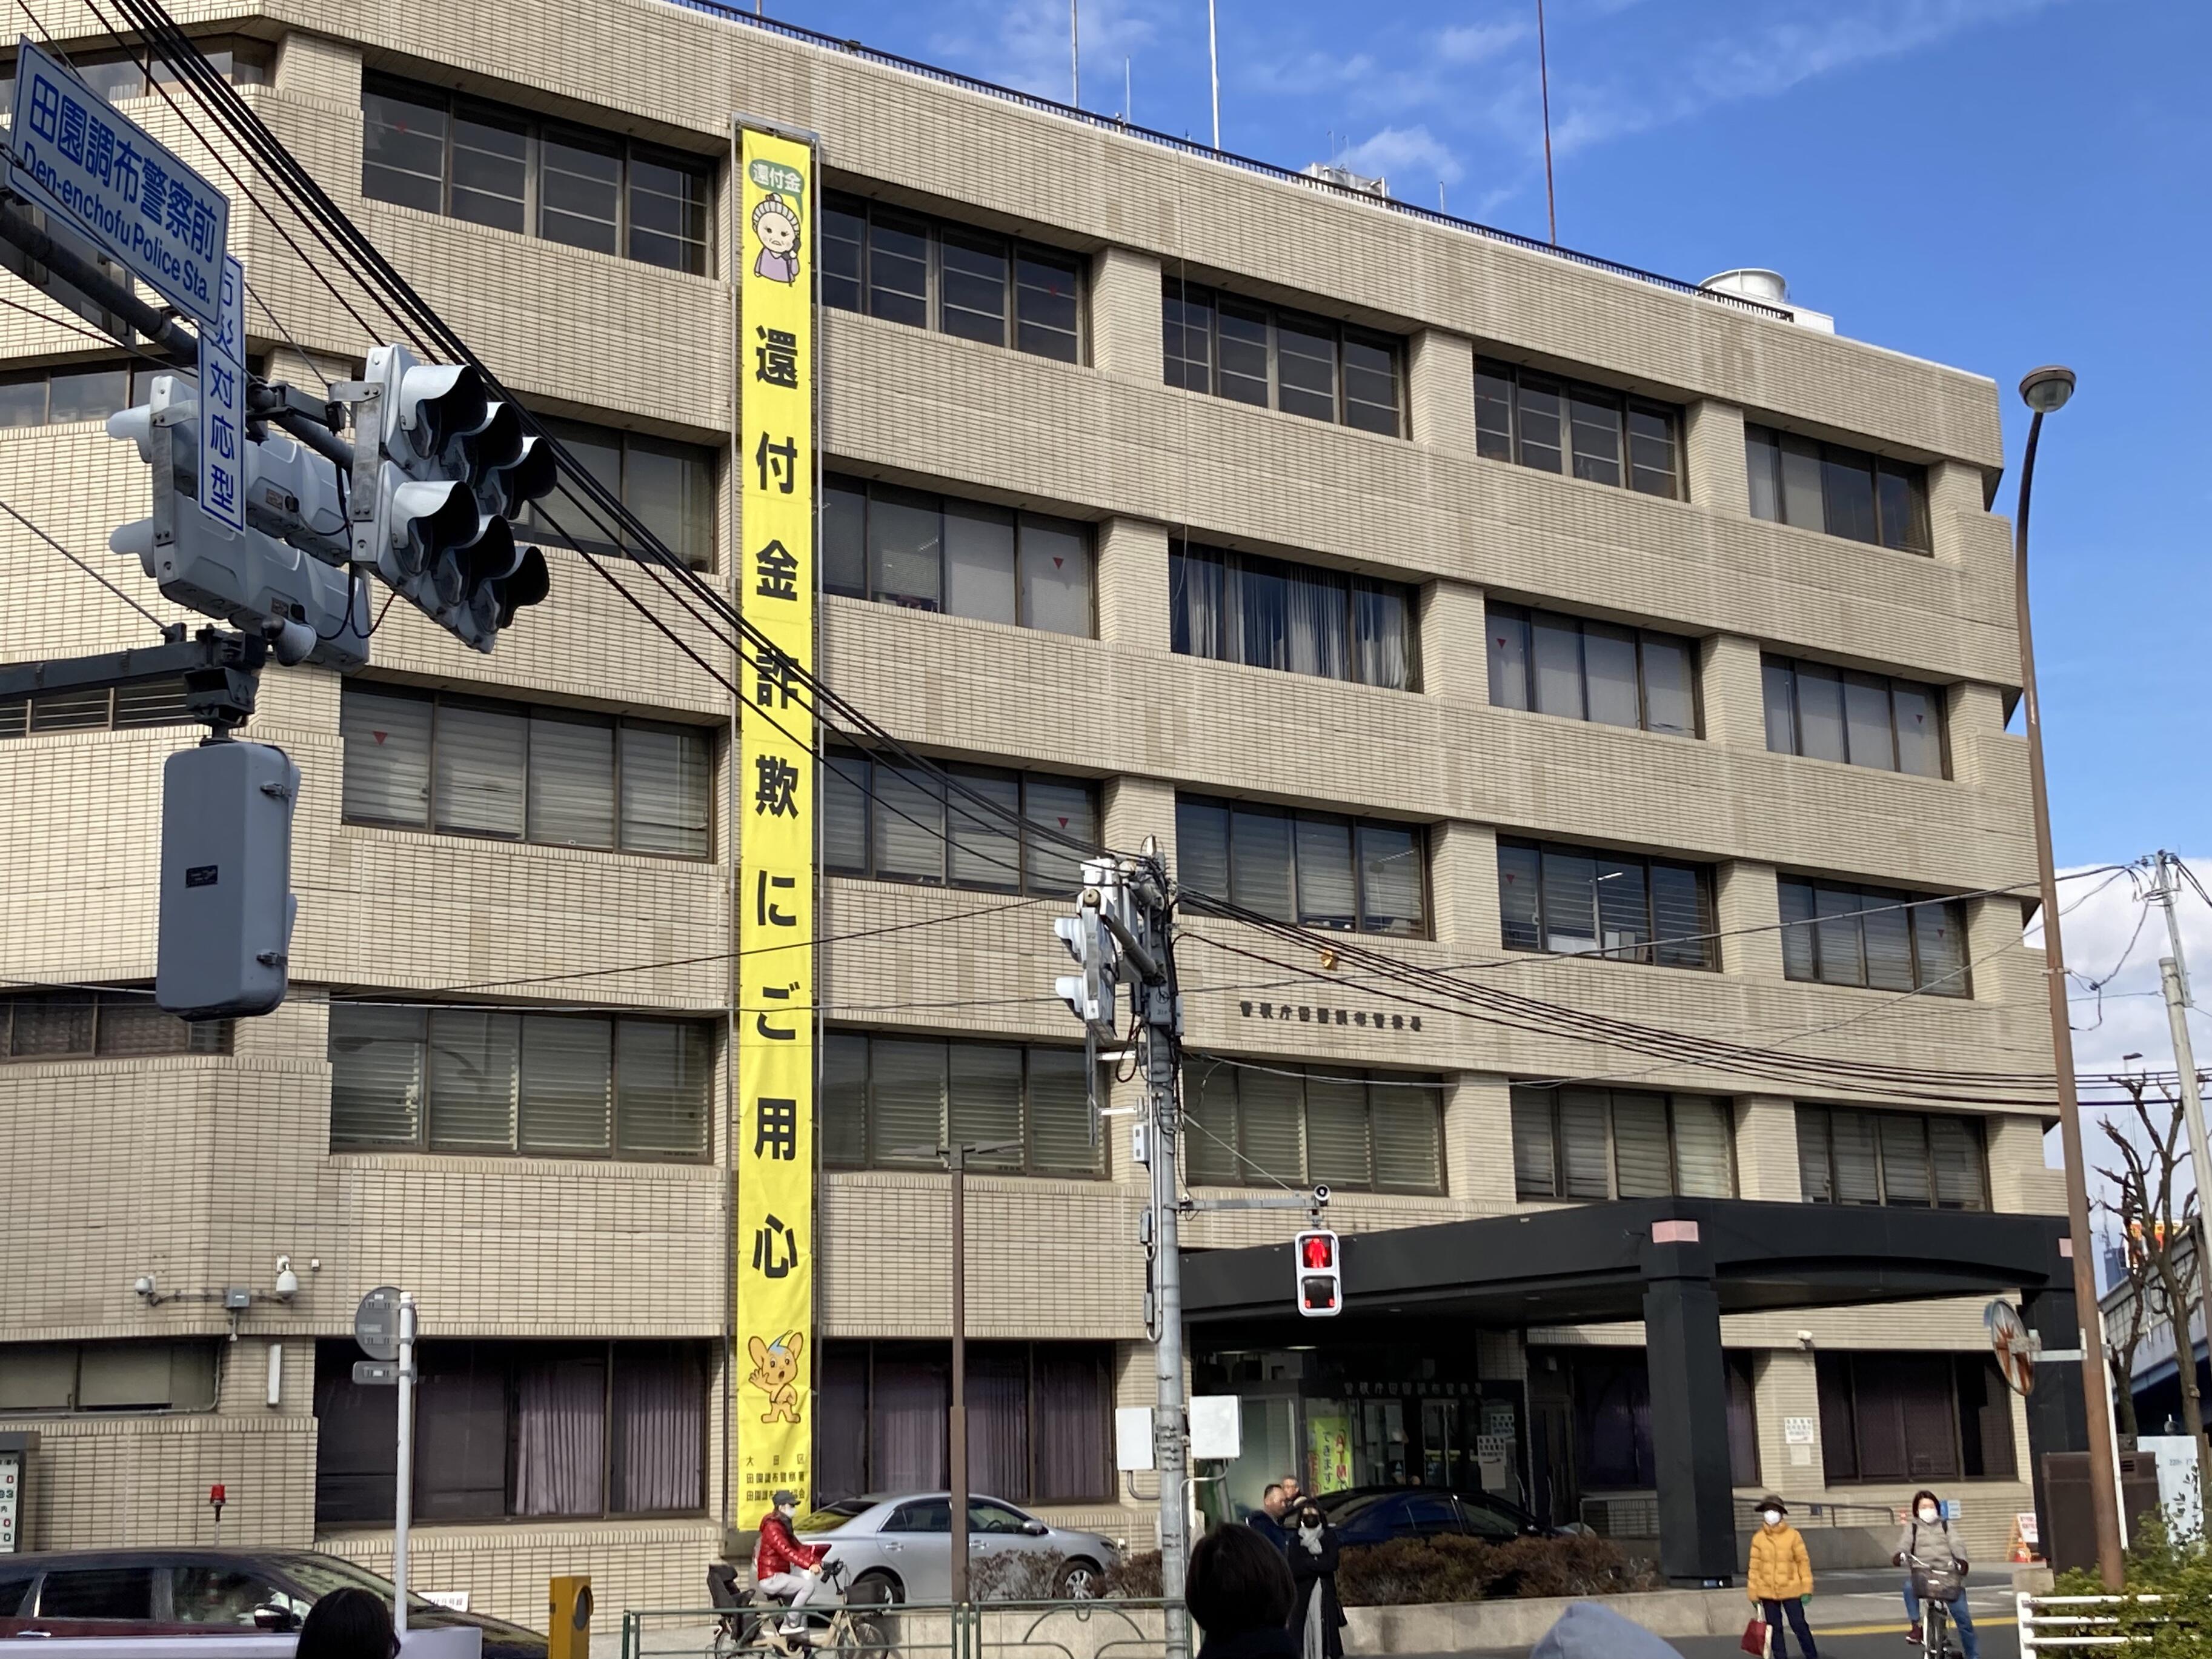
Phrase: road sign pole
x=403 y=1496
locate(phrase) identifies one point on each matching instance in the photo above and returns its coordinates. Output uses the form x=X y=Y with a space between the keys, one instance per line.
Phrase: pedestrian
x=1934 y=1565
x=1319 y=1620
x=1292 y=1491
x=349 y=1623
x=1267 y=1519
x=1780 y=1581
x=1238 y=1589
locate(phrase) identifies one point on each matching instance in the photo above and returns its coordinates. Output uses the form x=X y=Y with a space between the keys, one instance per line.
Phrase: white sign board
x=11 y=1498
x=1132 y=1437
x=455 y=1600
x=223 y=407
x=1217 y=1425
x=109 y=177
x=2179 y=1492
x=1797 y=1431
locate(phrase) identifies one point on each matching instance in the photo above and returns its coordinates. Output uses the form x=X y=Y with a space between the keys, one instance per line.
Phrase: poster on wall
x=1329 y=1452
x=774 y=1153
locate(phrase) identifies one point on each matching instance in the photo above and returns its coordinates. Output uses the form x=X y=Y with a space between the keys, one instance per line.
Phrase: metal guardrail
x=731 y=13
x=2077 y=1624
x=1100 y=1629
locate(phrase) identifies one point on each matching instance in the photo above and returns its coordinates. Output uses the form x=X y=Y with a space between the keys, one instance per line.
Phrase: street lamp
x=2046 y=391
x=956 y=1158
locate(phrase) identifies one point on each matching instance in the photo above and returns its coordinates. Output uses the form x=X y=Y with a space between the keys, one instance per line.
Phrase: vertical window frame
x=1787 y=666
x=1184 y=294
x=1569 y=391
x=1917 y=536
x=1031 y=1164
x=1648 y=952
x=1873 y=898
x=1229 y=564
x=1499 y=614
x=1291 y=815
x=1527 y=1099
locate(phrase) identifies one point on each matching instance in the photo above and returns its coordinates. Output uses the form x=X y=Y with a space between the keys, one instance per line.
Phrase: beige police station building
x=1643 y=650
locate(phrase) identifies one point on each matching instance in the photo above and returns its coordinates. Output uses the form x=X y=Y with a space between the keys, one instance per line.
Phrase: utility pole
x=403 y=1496
x=2174 y=977
x=1121 y=935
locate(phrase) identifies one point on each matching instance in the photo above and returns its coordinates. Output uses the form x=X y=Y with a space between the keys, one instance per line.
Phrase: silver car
x=899 y=1548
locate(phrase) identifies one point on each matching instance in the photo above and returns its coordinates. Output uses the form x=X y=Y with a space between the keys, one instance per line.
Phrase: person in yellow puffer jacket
x=1780 y=1579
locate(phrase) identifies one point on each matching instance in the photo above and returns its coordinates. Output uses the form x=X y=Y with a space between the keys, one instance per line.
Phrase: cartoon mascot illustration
x=776 y=1370
x=775 y=223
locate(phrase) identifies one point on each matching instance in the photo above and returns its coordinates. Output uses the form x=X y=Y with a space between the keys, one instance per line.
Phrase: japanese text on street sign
x=775 y=1150
x=76 y=157
x=223 y=407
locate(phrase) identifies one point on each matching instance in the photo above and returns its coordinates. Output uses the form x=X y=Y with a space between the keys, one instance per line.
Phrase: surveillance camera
x=145 y=1286
x=1320 y=1193
x=288 y=1282
x=1805 y=1340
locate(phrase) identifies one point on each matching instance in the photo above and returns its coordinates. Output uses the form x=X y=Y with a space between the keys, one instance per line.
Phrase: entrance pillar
x=1689 y=1408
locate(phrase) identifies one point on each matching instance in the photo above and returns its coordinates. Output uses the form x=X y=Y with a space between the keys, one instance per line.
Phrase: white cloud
x=1476 y=43
x=1400 y=149
x=1025 y=45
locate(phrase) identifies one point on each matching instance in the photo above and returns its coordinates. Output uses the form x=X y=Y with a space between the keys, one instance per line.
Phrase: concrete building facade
x=1640 y=651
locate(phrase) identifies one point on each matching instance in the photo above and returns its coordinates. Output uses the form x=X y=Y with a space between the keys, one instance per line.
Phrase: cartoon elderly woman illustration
x=775 y=221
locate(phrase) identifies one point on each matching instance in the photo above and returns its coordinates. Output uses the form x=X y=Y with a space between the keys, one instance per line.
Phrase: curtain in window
x=1382 y=637
x=1063 y=1139
x=1680 y=920
x=1813 y=1173
x=1273 y=1112
x=1639 y=1146
x=1557 y=653
x=1318 y=623
x=560 y=1436
x=845 y=537
x=910 y=824
x=1670 y=701
x=1264 y=604
x=1857 y=1167
x=984 y=1102
x=1408 y=1126
x=905 y=1099
x=387 y=757
x=1507 y=627
x=1583 y=1143
x=1743 y=1424
x=985 y=851
x=1843 y=947
x=1260 y=862
x=1570 y=901
x=1328 y=894
x=1888 y=931
x=478 y=770
x=376 y=1075
x=1609 y=674
x=1905 y=1178
x=1058 y=810
x=567 y=1094
x=1777 y=688
x=572 y=779
x=1209 y=1101
x=670 y=487
x=1533 y=1172
x=1940 y=934
x=1197 y=598
x=1955 y=1148
x=1866 y=721
x=846 y=781
x=660 y=1413
x=844 y=1119
x=998 y=1420
x=472 y=1079
x=1919 y=730
x=1202 y=847
x=905 y=563
x=1799 y=960
x=1071 y=1417
x=906 y=1426
x=979 y=561
x=1055 y=575
x=1337 y=1138
x=666 y=782
x=841 y=1422
x=1520 y=874
x=1624 y=910
x=1801 y=483
x=1820 y=728
x=661 y=1068
x=1390 y=880
x=1703 y=1164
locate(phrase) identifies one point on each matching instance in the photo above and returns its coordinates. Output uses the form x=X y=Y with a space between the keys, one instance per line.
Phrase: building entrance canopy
x=1678 y=1264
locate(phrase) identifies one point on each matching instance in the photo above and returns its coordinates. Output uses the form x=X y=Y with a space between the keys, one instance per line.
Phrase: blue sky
x=1901 y=160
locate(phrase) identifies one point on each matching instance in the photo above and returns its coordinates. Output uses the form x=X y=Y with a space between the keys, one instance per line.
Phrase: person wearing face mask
x=1319 y=1620
x=784 y=1567
x=1781 y=1577
x=1940 y=1572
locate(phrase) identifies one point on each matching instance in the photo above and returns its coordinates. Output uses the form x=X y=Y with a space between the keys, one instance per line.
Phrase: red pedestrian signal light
x=1319 y=1276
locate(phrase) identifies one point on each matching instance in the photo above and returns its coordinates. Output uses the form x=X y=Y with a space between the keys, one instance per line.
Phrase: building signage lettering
x=1375 y=1019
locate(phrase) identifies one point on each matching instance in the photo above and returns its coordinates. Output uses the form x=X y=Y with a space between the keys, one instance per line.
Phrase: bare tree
x=2150 y=1161
x=2125 y=1328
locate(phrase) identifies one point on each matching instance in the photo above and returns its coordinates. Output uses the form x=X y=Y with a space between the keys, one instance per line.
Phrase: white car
x=899 y=1548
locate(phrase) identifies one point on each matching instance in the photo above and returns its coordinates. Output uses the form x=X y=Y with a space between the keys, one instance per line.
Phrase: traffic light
x=224 y=948
x=1320 y=1274
x=1090 y=995
x=439 y=470
x=284 y=575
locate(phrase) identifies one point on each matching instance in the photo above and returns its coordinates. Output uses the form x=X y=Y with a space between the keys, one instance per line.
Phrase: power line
x=11 y=512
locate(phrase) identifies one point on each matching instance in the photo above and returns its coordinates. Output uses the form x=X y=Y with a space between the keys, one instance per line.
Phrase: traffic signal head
x=1319 y=1276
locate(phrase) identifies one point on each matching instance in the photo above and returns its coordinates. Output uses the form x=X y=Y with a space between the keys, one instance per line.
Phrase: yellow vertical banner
x=775 y=794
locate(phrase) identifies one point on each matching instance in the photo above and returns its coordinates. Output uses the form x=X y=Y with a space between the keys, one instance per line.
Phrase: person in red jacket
x=782 y=1566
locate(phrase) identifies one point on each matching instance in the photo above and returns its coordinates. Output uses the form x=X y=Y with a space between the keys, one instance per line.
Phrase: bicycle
x=1936 y=1622
x=752 y=1627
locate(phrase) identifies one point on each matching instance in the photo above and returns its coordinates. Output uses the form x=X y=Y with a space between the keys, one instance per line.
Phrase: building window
x=101 y=1025
x=1620 y=905
x=894 y=823
x=1356 y=1131
x=104 y=709
x=1564 y=426
x=485 y=1081
x=1266 y=613
x=1836 y=934
x=559 y=777
x=1592 y=671
x=1279 y=359
x=1040 y=1415
x=1313 y=868
x=1901 y=1417
x=1840 y=715
x=107 y=1377
x=668 y=485
x=523 y=1428
x=79 y=391
x=423 y=147
x=1621 y=1143
x=931 y=273
x=931 y=552
x=120 y=74
x=1845 y=492
x=886 y=1099
x=1917 y=1161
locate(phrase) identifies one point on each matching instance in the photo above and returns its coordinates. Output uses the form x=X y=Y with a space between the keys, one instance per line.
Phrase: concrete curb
x=1461 y=1626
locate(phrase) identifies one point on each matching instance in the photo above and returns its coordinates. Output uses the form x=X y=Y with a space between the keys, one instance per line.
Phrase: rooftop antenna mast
x=1544 y=80
x=1075 y=56
x=1213 y=60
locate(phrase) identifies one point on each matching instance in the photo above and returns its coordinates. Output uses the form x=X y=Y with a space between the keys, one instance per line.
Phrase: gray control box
x=227 y=905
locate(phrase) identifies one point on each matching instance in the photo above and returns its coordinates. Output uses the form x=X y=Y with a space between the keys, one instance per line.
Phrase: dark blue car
x=1374 y=1515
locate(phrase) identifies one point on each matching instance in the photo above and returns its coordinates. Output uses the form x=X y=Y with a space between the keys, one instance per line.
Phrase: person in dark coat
x=1267 y=1519
x=1239 y=1590
x=1319 y=1621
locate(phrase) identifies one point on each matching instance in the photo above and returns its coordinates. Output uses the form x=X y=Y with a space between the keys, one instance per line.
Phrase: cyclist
x=785 y=1568
x=1935 y=1564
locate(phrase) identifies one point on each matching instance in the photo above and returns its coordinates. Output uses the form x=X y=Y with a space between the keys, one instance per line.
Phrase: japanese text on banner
x=774 y=1149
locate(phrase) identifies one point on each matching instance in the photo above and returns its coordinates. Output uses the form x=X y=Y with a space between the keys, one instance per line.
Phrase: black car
x=189 y=1592
x=1374 y=1515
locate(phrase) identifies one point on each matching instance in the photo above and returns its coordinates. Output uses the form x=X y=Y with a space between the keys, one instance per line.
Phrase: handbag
x=1754 y=1637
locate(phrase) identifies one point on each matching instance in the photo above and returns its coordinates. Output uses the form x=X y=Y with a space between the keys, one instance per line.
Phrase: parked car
x=189 y=1592
x=899 y=1548
x=1373 y=1515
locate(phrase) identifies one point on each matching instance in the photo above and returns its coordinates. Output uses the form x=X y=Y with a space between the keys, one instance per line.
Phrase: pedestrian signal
x=1319 y=1279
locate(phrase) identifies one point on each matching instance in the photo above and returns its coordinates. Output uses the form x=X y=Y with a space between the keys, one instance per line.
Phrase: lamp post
x=2044 y=390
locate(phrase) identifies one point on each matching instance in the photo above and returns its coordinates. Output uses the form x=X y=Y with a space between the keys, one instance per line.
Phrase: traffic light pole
x=1156 y=1055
